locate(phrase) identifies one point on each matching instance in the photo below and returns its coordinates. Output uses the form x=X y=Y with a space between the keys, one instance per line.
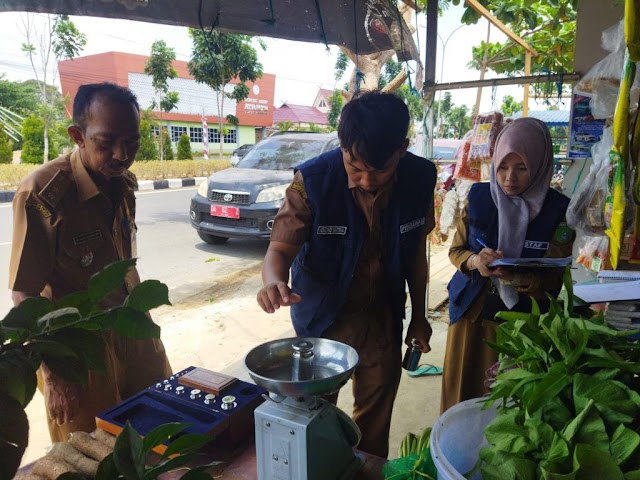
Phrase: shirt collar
x=87 y=188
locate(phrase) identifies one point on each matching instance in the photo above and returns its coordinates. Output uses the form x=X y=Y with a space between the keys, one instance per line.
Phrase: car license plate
x=224 y=211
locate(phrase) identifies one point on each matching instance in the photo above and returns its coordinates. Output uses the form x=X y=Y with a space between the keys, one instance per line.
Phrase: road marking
x=160 y=190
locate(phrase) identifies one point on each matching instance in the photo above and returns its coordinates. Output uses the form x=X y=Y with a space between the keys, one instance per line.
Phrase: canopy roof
x=553 y=118
x=361 y=26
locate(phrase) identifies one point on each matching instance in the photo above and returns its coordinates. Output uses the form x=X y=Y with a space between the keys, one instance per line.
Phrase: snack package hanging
x=586 y=208
x=485 y=131
x=616 y=201
x=465 y=167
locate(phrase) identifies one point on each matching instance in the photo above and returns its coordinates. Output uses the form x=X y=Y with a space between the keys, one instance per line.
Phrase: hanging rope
x=410 y=70
x=272 y=20
x=359 y=74
x=322 y=32
x=559 y=85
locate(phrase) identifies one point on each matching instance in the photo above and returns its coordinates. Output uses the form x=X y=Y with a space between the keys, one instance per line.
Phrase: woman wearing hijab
x=515 y=215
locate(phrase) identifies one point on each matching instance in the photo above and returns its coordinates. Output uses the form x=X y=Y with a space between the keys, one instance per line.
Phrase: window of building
x=322 y=104
x=176 y=132
x=214 y=135
x=231 y=136
x=195 y=134
x=155 y=130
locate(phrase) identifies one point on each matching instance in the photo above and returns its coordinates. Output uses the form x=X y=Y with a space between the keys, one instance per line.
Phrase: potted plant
x=63 y=336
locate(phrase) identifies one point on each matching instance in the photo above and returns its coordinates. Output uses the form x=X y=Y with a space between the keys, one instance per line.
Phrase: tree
x=460 y=120
x=33 y=144
x=217 y=58
x=160 y=68
x=59 y=40
x=167 y=151
x=510 y=106
x=184 y=148
x=148 y=146
x=285 y=126
x=6 y=147
x=335 y=107
x=546 y=25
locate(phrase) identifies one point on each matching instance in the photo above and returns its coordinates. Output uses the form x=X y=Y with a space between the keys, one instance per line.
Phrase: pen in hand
x=482 y=242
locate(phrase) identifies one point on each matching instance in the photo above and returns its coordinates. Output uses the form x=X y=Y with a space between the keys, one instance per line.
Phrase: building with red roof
x=299 y=115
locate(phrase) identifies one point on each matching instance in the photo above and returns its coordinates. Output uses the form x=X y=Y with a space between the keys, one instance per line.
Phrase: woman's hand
x=482 y=260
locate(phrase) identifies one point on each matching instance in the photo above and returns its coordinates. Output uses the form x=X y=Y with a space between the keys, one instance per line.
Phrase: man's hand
x=420 y=330
x=275 y=295
x=61 y=397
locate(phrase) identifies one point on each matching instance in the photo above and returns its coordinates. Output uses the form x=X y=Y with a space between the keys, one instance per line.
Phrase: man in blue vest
x=353 y=229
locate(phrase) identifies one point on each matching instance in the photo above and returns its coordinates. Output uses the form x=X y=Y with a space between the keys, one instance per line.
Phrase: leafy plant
x=33 y=145
x=571 y=410
x=165 y=143
x=6 y=147
x=184 y=148
x=148 y=147
x=64 y=336
x=128 y=458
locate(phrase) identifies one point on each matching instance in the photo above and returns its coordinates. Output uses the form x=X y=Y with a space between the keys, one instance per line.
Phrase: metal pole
x=444 y=48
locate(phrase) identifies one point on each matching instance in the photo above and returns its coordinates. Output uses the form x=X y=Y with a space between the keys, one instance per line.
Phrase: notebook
x=619 y=275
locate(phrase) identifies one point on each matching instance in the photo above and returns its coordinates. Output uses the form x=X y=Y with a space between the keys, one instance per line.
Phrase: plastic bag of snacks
x=586 y=208
x=485 y=131
x=466 y=167
x=592 y=251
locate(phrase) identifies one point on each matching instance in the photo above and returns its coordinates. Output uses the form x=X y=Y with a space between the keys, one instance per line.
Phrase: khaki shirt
x=65 y=230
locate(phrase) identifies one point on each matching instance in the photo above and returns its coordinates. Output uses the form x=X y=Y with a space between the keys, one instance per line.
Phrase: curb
x=143 y=185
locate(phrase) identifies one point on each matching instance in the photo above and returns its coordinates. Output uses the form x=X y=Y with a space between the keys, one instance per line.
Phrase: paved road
x=168 y=247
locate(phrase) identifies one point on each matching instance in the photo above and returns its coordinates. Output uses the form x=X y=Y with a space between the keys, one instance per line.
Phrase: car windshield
x=280 y=153
x=444 y=153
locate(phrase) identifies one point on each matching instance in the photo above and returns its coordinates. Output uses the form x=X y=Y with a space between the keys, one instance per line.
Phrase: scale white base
x=304 y=440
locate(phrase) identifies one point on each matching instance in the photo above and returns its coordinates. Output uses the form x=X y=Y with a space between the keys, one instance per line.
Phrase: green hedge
x=11 y=175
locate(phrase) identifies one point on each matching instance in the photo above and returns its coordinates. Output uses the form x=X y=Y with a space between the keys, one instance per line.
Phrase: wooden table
x=240 y=464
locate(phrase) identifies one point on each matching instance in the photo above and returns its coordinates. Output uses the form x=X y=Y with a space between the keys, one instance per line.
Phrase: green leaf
x=51 y=348
x=107 y=469
x=549 y=387
x=161 y=434
x=78 y=300
x=634 y=475
x=148 y=295
x=71 y=369
x=196 y=474
x=128 y=456
x=87 y=345
x=60 y=318
x=168 y=465
x=135 y=324
x=109 y=279
x=14 y=435
x=623 y=443
x=25 y=315
x=18 y=376
x=592 y=464
x=614 y=400
x=573 y=427
x=558 y=450
x=187 y=443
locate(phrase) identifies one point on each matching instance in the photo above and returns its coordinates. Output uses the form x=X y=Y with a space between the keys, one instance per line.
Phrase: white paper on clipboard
x=608 y=292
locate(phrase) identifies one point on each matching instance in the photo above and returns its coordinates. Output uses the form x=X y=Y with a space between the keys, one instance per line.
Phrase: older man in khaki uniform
x=72 y=217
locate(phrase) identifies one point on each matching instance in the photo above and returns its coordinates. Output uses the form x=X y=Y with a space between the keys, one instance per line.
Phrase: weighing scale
x=300 y=436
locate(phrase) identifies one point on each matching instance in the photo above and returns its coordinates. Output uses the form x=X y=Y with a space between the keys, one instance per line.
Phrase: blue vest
x=483 y=223
x=326 y=263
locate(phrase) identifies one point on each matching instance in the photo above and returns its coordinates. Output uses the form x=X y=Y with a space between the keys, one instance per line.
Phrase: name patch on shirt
x=536 y=245
x=413 y=224
x=86 y=237
x=331 y=230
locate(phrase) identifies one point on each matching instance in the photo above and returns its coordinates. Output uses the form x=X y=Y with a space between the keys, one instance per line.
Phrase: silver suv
x=243 y=201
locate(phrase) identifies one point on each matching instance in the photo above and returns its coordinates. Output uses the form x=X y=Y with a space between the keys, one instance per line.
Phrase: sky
x=300 y=68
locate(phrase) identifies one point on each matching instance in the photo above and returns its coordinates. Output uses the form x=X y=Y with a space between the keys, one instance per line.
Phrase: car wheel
x=212 y=239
